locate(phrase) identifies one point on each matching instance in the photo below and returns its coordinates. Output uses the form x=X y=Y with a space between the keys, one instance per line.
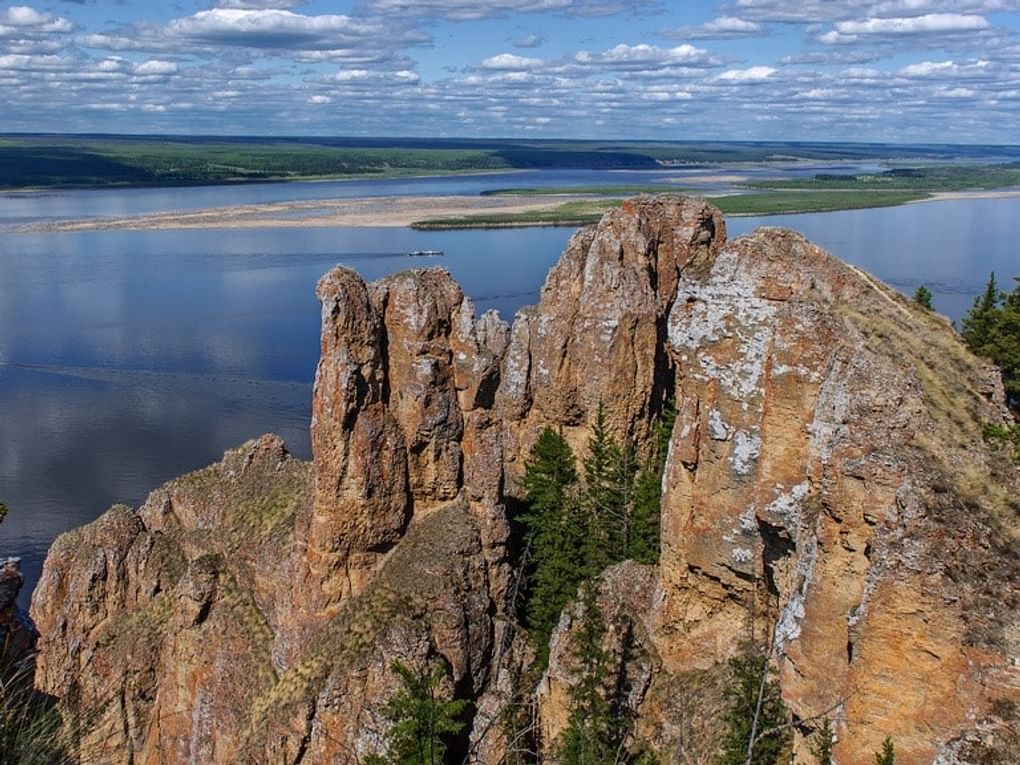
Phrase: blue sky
x=870 y=70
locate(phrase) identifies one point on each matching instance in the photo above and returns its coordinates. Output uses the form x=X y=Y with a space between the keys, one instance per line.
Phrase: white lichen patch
x=725 y=308
x=749 y=520
x=788 y=623
x=746 y=450
x=718 y=430
x=742 y=555
x=787 y=504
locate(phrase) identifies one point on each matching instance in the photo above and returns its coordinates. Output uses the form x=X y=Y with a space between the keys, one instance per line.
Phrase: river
x=130 y=357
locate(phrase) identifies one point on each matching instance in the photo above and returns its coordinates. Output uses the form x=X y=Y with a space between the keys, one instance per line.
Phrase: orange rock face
x=827 y=493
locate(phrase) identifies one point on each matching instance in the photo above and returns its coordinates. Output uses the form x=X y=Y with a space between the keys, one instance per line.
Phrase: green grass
x=780 y=202
x=566 y=214
x=603 y=191
x=926 y=179
x=761 y=203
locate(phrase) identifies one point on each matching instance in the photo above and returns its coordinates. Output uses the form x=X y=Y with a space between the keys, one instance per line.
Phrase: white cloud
x=466 y=10
x=647 y=56
x=22 y=20
x=511 y=62
x=721 y=28
x=934 y=22
x=154 y=67
x=319 y=100
x=751 y=74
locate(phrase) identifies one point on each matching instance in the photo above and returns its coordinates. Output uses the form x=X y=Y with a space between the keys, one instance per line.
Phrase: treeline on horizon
x=55 y=161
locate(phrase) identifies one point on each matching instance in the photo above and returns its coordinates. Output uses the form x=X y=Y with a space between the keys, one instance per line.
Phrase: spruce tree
x=555 y=536
x=643 y=542
x=1006 y=343
x=979 y=326
x=887 y=756
x=754 y=723
x=422 y=720
x=605 y=496
x=823 y=742
x=593 y=735
x=922 y=296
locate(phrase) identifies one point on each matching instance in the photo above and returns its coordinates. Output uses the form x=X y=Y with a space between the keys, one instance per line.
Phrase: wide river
x=130 y=357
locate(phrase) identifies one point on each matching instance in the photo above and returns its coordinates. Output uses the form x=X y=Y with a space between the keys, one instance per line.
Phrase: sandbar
x=383 y=212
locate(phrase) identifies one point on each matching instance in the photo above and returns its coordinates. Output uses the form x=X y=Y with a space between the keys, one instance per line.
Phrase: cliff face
x=827 y=492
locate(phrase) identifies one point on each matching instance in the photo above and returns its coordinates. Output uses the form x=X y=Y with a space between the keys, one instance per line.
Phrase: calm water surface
x=127 y=358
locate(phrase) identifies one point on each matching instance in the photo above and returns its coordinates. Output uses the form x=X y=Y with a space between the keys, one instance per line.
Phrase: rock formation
x=828 y=493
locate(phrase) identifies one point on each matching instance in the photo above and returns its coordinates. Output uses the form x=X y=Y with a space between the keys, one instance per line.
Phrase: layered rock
x=17 y=633
x=828 y=494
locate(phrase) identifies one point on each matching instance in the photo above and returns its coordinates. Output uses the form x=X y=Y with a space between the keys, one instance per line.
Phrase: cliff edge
x=828 y=493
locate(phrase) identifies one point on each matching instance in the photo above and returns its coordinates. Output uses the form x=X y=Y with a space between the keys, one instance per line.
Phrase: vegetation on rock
x=922 y=296
x=574 y=528
x=423 y=720
x=992 y=329
x=887 y=756
x=594 y=732
x=756 y=731
x=823 y=742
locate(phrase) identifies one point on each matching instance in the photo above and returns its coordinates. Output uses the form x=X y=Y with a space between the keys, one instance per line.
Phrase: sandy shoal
x=366 y=211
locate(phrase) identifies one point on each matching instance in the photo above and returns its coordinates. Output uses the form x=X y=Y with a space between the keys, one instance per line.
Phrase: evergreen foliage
x=3 y=512
x=643 y=542
x=422 y=720
x=887 y=756
x=992 y=329
x=576 y=528
x=556 y=536
x=594 y=734
x=756 y=713
x=922 y=296
x=823 y=742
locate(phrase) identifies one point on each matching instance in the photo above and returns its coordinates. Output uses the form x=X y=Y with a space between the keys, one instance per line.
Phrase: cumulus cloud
x=511 y=61
x=154 y=67
x=644 y=56
x=722 y=28
x=751 y=74
x=467 y=10
x=272 y=28
x=20 y=20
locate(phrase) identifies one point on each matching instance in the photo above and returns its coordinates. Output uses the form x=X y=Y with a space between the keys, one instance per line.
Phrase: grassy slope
x=934 y=178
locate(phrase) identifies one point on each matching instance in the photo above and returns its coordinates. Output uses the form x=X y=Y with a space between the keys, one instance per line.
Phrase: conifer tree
x=922 y=296
x=605 y=497
x=979 y=325
x=593 y=735
x=887 y=756
x=643 y=542
x=555 y=535
x=823 y=742
x=756 y=719
x=422 y=720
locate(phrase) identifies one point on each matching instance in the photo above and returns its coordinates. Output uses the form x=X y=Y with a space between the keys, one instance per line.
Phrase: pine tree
x=593 y=735
x=555 y=536
x=922 y=296
x=823 y=742
x=887 y=756
x=422 y=720
x=750 y=717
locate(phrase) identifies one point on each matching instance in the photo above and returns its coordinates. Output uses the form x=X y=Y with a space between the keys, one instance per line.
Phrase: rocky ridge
x=827 y=493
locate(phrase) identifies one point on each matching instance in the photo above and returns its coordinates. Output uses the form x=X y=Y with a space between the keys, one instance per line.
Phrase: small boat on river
x=426 y=253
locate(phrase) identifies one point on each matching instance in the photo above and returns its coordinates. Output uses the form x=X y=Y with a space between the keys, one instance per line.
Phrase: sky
x=902 y=71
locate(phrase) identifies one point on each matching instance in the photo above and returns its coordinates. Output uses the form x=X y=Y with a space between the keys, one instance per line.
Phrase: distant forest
x=86 y=161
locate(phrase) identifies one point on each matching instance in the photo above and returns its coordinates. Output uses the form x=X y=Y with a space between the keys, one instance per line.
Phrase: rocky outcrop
x=17 y=634
x=828 y=494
